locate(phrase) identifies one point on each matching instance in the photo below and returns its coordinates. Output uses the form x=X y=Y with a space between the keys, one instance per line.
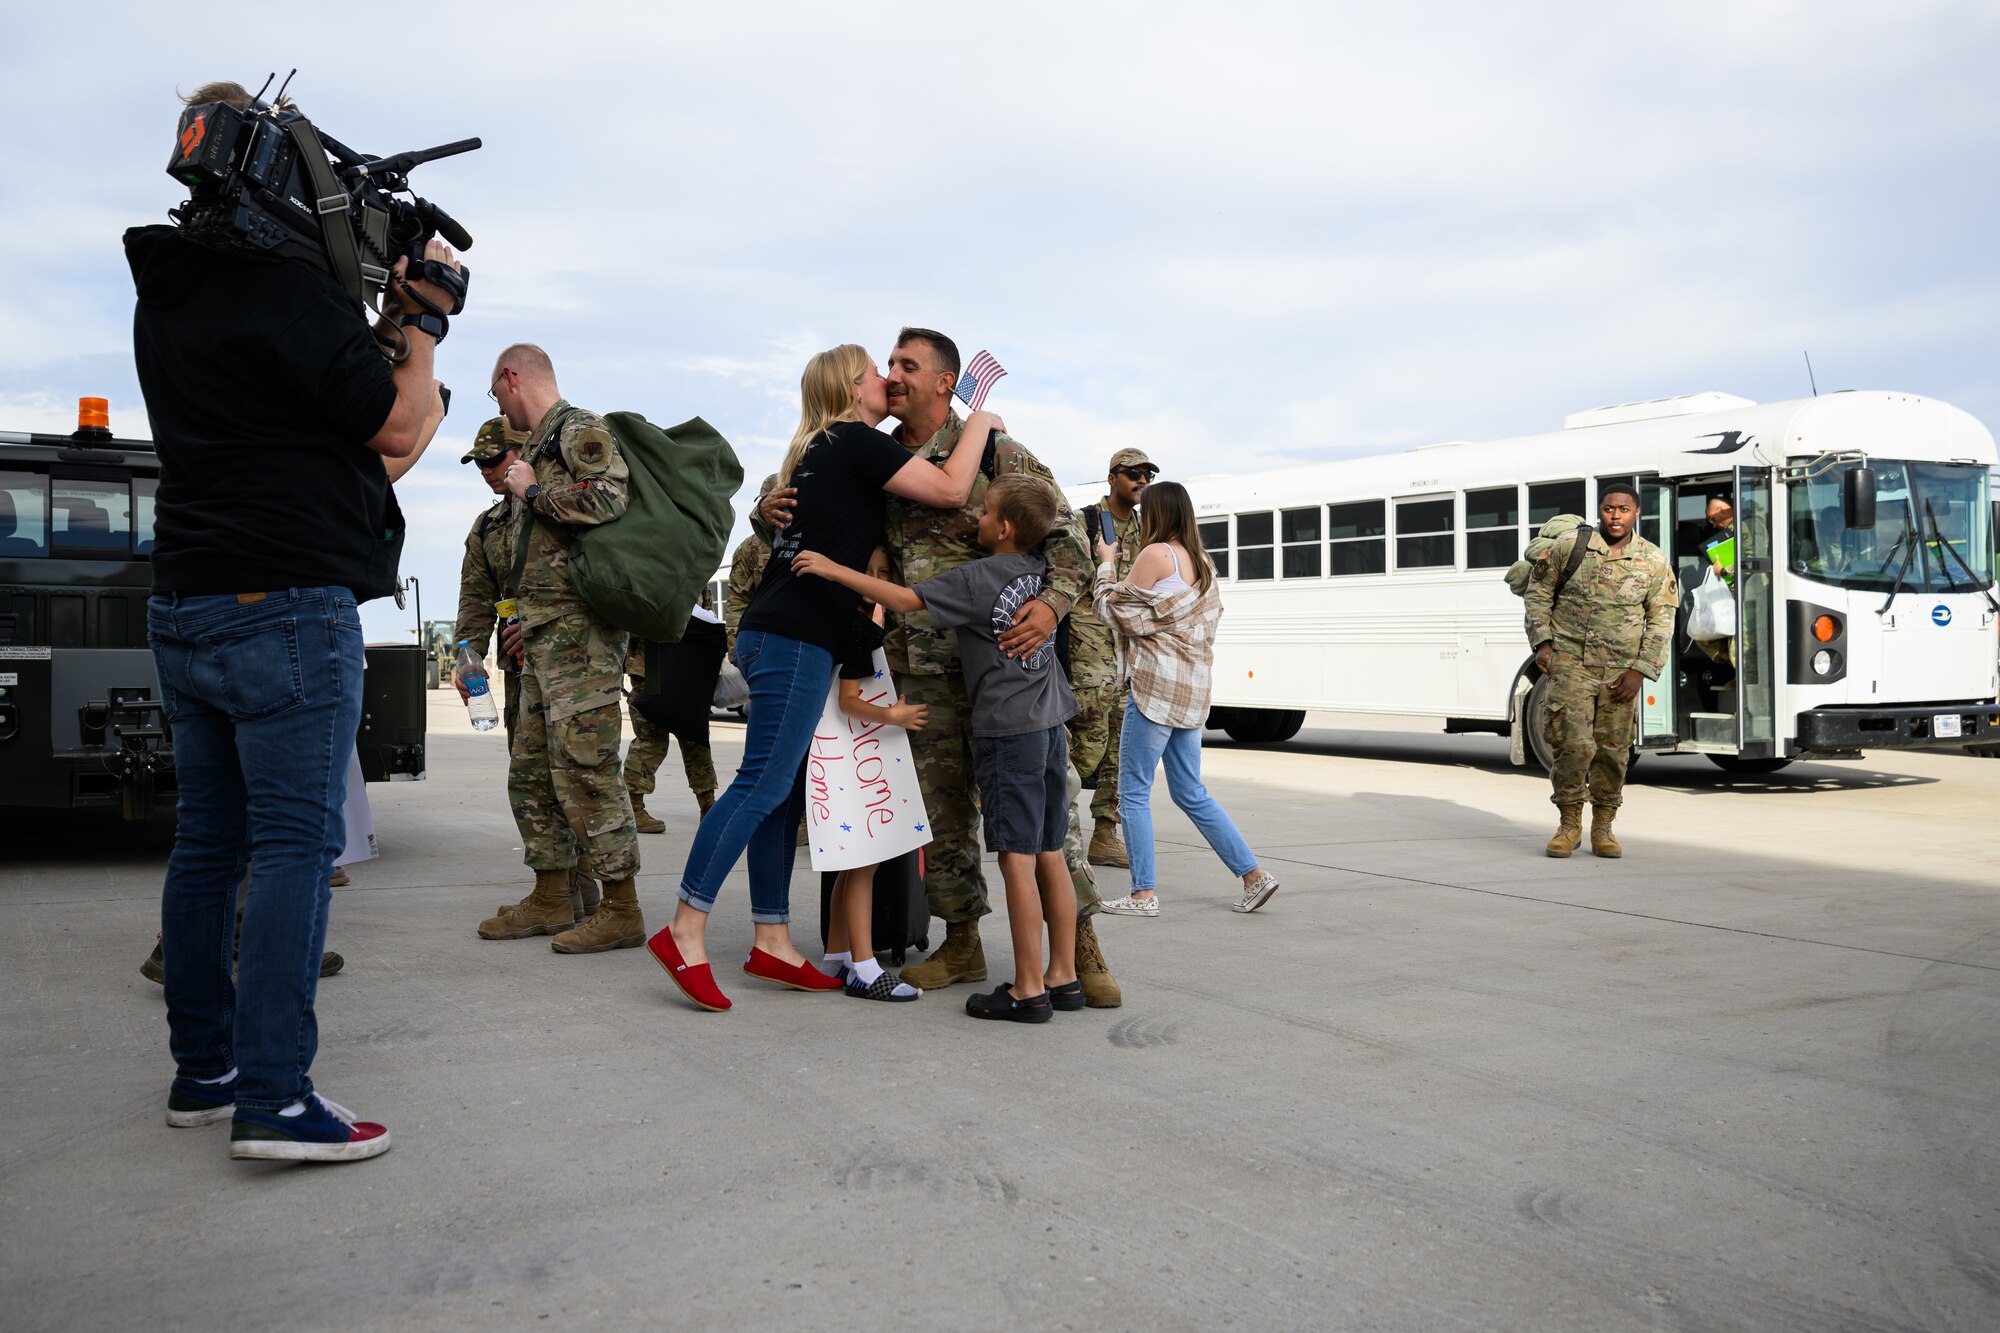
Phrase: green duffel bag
x=644 y=571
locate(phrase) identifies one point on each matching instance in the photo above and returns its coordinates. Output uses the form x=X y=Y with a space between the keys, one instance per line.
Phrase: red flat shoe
x=799 y=976
x=697 y=982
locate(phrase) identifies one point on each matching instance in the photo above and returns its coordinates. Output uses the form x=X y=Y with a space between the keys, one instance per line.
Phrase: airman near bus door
x=1609 y=632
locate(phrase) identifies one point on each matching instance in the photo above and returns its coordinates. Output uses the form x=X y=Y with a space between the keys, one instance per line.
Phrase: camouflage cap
x=493 y=439
x=1131 y=458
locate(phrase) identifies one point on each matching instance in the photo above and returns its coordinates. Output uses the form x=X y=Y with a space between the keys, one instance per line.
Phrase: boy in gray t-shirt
x=1020 y=746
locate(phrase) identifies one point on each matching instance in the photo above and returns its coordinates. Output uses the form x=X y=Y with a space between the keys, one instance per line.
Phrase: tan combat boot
x=543 y=912
x=617 y=925
x=706 y=800
x=643 y=821
x=960 y=958
x=1106 y=847
x=1569 y=833
x=583 y=894
x=1602 y=841
x=1100 y=988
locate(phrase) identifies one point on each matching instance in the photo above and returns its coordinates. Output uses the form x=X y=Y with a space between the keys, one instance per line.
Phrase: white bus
x=1374 y=585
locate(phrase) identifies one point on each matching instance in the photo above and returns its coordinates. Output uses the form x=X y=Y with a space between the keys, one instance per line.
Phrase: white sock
x=867 y=969
x=296 y=1108
x=230 y=1077
x=833 y=962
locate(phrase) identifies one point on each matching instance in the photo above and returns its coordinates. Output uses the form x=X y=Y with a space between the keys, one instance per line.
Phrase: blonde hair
x=826 y=395
x=1167 y=515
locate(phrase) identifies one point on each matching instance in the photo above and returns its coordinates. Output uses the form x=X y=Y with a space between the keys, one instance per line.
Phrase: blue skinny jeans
x=761 y=810
x=1140 y=750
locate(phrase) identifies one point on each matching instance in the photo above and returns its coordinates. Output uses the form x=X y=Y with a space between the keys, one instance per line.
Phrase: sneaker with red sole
x=697 y=981
x=799 y=976
x=323 y=1132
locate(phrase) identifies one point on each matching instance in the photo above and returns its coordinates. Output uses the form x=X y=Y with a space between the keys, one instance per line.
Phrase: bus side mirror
x=1857 y=497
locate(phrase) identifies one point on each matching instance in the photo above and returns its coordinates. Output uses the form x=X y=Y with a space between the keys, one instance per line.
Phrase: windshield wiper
x=1937 y=535
x=1901 y=570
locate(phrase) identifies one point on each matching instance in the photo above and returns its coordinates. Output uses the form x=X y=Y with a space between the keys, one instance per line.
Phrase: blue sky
x=1234 y=237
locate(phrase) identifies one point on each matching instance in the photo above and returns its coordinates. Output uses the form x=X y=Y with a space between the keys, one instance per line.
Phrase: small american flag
x=976 y=380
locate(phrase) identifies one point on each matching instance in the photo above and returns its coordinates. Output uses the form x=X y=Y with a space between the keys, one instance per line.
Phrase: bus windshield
x=1931 y=527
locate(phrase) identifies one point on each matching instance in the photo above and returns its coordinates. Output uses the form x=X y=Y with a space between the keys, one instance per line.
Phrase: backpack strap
x=1577 y=551
x=528 y=512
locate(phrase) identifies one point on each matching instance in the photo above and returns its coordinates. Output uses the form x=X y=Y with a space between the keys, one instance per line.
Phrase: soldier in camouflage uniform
x=649 y=749
x=923 y=542
x=1093 y=660
x=564 y=780
x=1608 y=634
x=746 y=566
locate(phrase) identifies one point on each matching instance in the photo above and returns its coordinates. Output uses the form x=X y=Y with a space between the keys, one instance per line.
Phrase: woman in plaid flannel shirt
x=1166 y=630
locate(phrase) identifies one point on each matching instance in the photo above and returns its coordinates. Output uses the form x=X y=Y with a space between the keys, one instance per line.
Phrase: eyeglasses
x=488 y=464
x=504 y=373
x=1137 y=473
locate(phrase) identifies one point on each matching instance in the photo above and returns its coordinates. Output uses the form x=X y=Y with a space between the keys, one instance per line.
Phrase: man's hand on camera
x=518 y=477
x=431 y=292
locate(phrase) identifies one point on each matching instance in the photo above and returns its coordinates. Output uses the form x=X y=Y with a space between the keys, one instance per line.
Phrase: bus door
x=1756 y=652
x=1657 y=726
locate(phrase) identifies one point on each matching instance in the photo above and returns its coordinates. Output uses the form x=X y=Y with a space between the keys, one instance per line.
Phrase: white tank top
x=1172 y=582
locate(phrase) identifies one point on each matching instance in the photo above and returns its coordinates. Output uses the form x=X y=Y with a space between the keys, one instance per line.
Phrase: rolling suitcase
x=902 y=914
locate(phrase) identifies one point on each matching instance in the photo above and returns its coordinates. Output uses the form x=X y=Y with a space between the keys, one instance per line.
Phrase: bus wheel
x=1533 y=726
x=1263 y=726
x=1741 y=767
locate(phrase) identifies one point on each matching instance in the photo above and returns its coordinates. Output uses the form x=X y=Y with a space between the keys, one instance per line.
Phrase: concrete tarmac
x=1745 y=1077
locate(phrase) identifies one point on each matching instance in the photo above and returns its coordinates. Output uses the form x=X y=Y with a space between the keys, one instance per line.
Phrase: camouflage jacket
x=1617 y=612
x=924 y=542
x=1093 y=655
x=482 y=576
x=746 y=571
x=584 y=480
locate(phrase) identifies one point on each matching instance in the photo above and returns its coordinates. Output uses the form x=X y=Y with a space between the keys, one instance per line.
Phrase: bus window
x=24 y=514
x=1546 y=499
x=143 y=491
x=1215 y=540
x=1424 y=535
x=1253 y=546
x=1492 y=527
x=89 y=519
x=1358 y=538
x=1301 y=534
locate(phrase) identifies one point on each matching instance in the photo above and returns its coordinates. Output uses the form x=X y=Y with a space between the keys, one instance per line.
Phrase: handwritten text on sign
x=862 y=801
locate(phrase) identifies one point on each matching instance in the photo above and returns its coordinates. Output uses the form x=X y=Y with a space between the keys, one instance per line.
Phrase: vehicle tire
x=1983 y=751
x=1533 y=729
x=431 y=675
x=1741 y=767
x=1263 y=726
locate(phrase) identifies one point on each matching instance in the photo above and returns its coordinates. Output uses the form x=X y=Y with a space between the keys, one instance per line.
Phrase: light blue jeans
x=1144 y=744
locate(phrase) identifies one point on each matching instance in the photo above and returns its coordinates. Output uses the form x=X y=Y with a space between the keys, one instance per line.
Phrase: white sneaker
x=1256 y=895
x=1130 y=906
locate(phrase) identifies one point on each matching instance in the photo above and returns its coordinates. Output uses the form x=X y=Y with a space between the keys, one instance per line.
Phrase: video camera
x=273 y=183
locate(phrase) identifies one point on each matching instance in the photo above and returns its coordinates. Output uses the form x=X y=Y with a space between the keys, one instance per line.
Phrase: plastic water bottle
x=479 y=699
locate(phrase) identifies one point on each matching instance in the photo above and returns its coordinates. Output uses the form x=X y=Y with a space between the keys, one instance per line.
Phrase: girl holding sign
x=840 y=467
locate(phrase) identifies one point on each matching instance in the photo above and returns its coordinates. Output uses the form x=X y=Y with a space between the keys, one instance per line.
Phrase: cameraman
x=274 y=410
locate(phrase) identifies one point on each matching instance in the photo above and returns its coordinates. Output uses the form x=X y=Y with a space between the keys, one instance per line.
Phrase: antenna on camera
x=259 y=98
x=279 y=100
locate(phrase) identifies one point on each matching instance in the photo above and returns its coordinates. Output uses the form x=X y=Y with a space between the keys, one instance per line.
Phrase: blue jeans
x=264 y=699
x=762 y=808
x=1140 y=750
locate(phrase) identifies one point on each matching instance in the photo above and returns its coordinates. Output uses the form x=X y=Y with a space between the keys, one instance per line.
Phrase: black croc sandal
x=1002 y=1005
x=1068 y=996
x=882 y=988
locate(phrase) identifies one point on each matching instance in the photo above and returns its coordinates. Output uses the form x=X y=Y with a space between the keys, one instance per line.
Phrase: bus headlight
x=1822 y=662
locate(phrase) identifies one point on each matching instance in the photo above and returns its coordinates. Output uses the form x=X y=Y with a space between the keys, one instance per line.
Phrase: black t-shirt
x=264 y=386
x=840 y=514
x=856 y=657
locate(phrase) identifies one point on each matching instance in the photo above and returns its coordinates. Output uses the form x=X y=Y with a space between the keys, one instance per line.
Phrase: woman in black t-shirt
x=840 y=465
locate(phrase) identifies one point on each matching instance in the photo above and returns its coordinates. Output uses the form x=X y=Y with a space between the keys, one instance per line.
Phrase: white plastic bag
x=1712 y=613
x=731 y=690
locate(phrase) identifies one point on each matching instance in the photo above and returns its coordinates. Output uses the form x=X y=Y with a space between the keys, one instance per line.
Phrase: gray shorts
x=1024 y=789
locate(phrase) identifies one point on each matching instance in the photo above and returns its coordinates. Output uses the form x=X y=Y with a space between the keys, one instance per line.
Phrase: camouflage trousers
x=942 y=752
x=1093 y=743
x=1590 y=732
x=562 y=775
x=649 y=750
